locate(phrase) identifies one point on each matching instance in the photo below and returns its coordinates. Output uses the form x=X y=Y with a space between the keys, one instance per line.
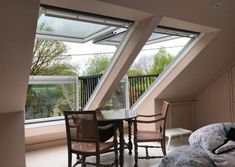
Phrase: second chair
x=151 y=136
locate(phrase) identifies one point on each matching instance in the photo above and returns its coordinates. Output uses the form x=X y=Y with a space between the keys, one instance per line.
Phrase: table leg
x=122 y=142
x=130 y=146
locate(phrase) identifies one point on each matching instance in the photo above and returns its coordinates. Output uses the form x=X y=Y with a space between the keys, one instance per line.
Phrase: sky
x=81 y=53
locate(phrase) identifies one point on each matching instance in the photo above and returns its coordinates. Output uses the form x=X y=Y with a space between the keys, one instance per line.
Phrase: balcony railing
x=137 y=86
x=49 y=96
x=87 y=85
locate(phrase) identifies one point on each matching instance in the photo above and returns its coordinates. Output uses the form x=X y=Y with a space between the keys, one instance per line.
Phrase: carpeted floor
x=57 y=156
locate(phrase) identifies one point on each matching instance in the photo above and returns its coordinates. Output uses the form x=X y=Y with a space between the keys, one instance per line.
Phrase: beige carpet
x=57 y=156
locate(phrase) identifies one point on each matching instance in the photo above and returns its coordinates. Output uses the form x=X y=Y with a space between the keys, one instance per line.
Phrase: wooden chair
x=83 y=138
x=151 y=136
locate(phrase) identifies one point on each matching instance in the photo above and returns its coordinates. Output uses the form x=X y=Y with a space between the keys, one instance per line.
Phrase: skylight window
x=162 y=48
x=63 y=52
x=74 y=26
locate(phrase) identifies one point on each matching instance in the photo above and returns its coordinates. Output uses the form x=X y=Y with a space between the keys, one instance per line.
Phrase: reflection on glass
x=69 y=28
x=118 y=98
x=48 y=100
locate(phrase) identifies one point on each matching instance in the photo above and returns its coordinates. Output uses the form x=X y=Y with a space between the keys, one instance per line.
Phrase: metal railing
x=137 y=86
x=87 y=85
x=50 y=95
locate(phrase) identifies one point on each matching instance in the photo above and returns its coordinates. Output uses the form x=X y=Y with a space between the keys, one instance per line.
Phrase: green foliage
x=47 y=59
x=97 y=65
x=49 y=100
x=117 y=99
x=134 y=72
x=161 y=60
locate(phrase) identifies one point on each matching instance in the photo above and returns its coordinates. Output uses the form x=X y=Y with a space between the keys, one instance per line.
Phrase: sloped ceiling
x=100 y=8
x=197 y=11
x=211 y=62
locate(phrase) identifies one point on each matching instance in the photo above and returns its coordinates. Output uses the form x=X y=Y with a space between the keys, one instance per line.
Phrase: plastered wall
x=181 y=115
x=217 y=103
x=17 y=32
x=12 y=153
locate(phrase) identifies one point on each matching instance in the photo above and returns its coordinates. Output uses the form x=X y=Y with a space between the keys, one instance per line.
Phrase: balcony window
x=162 y=48
x=63 y=47
x=49 y=96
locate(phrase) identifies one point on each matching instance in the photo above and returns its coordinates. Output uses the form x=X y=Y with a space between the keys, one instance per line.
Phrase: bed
x=208 y=147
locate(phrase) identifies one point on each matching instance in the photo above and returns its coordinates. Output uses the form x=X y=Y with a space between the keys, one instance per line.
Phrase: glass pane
x=159 y=35
x=64 y=47
x=48 y=100
x=118 y=98
x=157 y=54
x=67 y=28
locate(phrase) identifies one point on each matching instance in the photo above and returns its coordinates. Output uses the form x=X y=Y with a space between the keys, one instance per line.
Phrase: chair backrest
x=81 y=126
x=164 y=111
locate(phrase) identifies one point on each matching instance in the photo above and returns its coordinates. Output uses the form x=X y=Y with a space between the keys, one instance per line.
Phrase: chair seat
x=91 y=147
x=144 y=136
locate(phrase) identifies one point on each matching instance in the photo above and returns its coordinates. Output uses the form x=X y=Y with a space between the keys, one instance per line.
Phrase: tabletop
x=118 y=114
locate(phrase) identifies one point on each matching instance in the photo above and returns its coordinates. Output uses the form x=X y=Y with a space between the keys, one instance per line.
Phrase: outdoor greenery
x=161 y=60
x=97 y=65
x=47 y=59
x=50 y=100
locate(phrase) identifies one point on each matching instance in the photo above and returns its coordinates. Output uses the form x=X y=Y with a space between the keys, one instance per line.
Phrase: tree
x=134 y=71
x=97 y=65
x=161 y=60
x=48 y=59
x=143 y=64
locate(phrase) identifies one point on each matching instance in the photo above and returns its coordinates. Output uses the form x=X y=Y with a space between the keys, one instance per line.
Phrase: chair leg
x=98 y=160
x=78 y=157
x=163 y=146
x=69 y=159
x=83 y=161
x=116 y=154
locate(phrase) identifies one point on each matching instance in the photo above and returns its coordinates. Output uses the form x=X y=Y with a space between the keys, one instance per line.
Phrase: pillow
x=225 y=147
x=231 y=134
x=227 y=126
x=208 y=137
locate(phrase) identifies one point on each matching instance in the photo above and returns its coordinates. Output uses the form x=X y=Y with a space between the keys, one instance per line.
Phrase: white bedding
x=187 y=156
x=207 y=149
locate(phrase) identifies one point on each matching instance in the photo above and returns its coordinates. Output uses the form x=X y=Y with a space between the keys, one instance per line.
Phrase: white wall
x=182 y=114
x=12 y=152
x=216 y=102
x=17 y=32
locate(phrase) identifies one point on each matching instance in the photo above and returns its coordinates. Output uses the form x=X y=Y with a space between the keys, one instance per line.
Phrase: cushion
x=208 y=137
x=225 y=147
x=228 y=128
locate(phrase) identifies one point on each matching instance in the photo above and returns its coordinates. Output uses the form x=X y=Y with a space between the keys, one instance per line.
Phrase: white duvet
x=207 y=149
